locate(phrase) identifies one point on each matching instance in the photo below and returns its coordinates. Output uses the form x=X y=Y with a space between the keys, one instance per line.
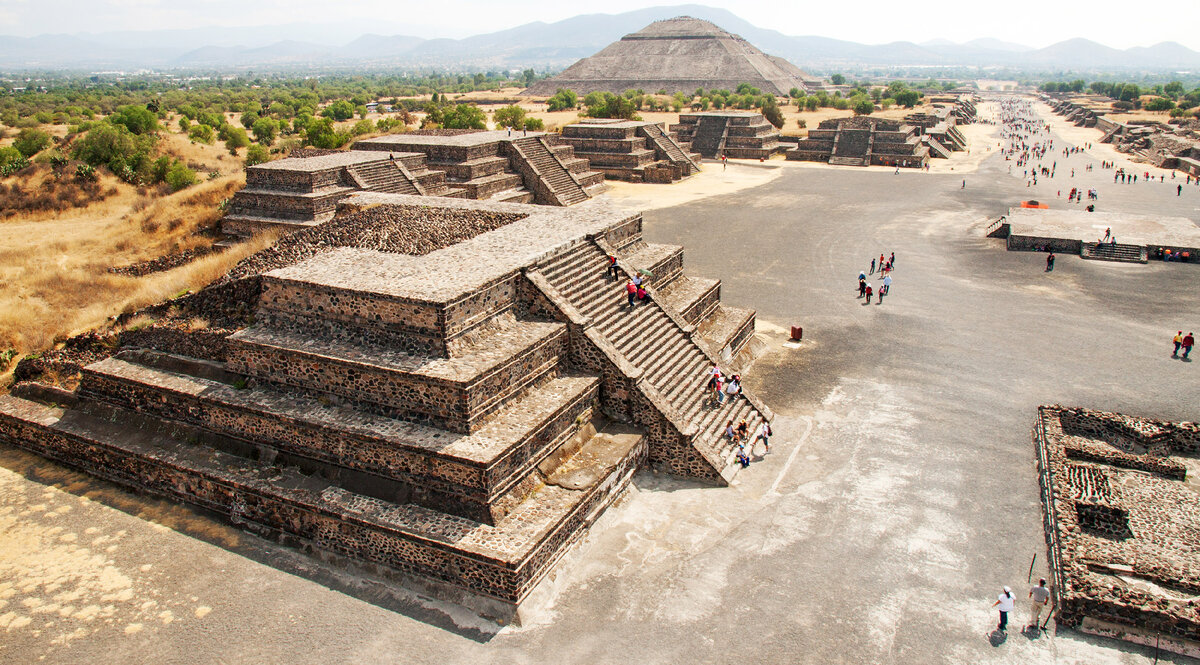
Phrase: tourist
x=887 y=286
x=611 y=274
x=630 y=292
x=892 y=259
x=714 y=389
x=1050 y=262
x=868 y=294
x=881 y=261
x=743 y=430
x=1178 y=190
x=880 y=301
x=733 y=388
x=730 y=432
x=862 y=286
x=742 y=457
x=1178 y=340
x=1107 y=234
x=1188 y=342
x=1041 y=598
x=1004 y=602
x=764 y=435
x=872 y=266
x=641 y=292
x=964 y=186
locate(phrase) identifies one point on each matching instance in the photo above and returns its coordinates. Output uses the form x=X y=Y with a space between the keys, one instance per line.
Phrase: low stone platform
x=632 y=150
x=733 y=134
x=1079 y=231
x=1120 y=511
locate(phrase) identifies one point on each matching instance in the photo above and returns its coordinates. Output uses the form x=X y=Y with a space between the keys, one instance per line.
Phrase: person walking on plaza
x=862 y=286
x=1178 y=340
x=1188 y=339
x=764 y=435
x=872 y=266
x=892 y=260
x=869 y=291
x=1004 y=603
x=887 y=285
x=1039 y=599
x=1050 y=262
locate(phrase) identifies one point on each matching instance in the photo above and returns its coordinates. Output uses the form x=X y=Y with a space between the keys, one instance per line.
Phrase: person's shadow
x=1031 y=632
x=997 y=637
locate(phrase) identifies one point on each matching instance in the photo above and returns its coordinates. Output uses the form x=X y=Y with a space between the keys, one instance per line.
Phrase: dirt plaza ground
x=898 y=497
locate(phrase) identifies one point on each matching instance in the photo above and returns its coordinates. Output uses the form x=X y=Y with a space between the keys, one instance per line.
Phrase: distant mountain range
x=543 y=46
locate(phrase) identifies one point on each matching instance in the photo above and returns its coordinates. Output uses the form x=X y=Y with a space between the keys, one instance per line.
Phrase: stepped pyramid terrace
x=447 y=391
x=862 y=141
x=679 y=54
x=507 y=167
x=633 y=150
x=734 y=134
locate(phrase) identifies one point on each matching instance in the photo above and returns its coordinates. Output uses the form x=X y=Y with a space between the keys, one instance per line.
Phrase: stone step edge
x=46 y=420
x=218 y=395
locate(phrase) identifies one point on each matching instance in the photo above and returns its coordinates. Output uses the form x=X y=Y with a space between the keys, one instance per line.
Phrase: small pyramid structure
x=678 y=54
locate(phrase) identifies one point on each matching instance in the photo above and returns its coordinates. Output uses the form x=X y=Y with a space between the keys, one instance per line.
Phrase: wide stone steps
x=385 y=176
x=670 y=148
x=501 y=561
x=649 y=339
x=551 y=170
x=1103 y=251
x=460 y=473
x=456 y=394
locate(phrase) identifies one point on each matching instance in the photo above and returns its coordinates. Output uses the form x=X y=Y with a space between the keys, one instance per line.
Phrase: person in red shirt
x=1188 y=342
x=630 y=292
x=869 y=291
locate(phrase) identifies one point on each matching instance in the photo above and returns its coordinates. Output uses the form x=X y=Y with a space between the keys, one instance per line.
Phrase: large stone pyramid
x=678 y=55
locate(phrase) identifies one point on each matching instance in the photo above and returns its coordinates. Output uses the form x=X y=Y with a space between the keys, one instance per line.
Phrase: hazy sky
x=1117 y=23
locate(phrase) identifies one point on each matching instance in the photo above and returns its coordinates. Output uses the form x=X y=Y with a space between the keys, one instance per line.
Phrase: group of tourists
x=1039 y=600
x=723 y=387
x=866 y=290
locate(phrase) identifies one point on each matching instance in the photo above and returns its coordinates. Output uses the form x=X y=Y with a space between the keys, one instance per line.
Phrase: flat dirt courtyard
x=899 y=495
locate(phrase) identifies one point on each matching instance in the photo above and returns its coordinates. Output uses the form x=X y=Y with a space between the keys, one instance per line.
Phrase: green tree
x=137 y=119
x=464 y=116
x=837 y=79
x=862 y=105
x=8 y=155
x=257 y=154
x=339 y=110
x=1173 y=89
x=608 y=105
x=235 y=138
x=201 y=134
x=126 y=154
x=907 y=98
x=264 y=130
x=321 y=134
x=512 y=116
x=31 y=141
x=364 y=126
x=772 y=112
x=180 y=176
x=534 y=125
x=528 y=76
x=1159 y=104
x=1129 y=92
x=563 y=100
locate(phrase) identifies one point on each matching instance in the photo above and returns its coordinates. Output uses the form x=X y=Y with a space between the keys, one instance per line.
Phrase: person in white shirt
x=1039 y=599
x=1004 y=602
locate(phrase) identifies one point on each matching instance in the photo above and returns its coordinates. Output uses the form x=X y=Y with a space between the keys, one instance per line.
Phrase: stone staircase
x=656 y=342
x=710 y=136
x=936 y=148
x=1104 y=251
x=560 y=184
x=381 y=177
x=669 y=149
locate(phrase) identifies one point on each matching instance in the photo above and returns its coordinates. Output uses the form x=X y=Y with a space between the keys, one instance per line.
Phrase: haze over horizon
x=1050 y=22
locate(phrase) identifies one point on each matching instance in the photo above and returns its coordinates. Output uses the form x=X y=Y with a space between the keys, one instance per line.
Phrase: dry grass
x=54 y=266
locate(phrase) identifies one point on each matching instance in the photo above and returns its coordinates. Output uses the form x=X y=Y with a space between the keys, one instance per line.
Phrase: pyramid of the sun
x=678 y=55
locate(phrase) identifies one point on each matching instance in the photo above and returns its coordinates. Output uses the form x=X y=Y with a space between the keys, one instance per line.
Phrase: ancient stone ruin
x=862 y=141
x=1170 y=145
x=633 y=150
x=512 y=167
x=734 y=134
x=442 y=390
x=678 y=55
x=1121 y=524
